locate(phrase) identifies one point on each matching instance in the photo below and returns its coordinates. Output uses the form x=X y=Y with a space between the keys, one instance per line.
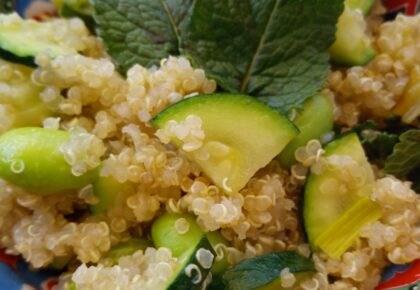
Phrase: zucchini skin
x=25 y=60
x=182 y=281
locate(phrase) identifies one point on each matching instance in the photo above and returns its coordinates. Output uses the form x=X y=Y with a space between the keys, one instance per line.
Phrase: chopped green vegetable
x=23 y=99
x=140 y=31
x=195 y=267
x=231 y=124
x=260 y=271
x=127 y=248
x=283 y=45
x=352 y=46
x=315 y=120
x=217 y=239
x=331 y=197
x=31 y=158
x=405 y=158
x=23 y=39
x=338 y=237
x=176 y=232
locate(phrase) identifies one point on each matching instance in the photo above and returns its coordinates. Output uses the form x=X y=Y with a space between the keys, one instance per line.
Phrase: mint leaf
x=272 y=49
x=276 y=50
x=140 y=31
x=378 y=146
x=377 y=142
x=262 y=270
x=405 y=158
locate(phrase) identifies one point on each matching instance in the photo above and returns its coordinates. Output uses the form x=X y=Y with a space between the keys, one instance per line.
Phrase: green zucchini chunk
x=241 y=135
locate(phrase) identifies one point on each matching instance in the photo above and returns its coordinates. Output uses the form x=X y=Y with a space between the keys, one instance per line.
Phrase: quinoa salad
x=211 y=144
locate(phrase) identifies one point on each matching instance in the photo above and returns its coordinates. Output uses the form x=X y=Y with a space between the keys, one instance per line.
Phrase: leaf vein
x=259 y=47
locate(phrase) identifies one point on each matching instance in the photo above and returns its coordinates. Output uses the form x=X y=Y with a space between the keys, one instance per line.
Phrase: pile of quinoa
x=107 y=115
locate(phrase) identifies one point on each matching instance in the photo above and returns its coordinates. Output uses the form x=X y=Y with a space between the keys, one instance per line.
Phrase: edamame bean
x=31 y=158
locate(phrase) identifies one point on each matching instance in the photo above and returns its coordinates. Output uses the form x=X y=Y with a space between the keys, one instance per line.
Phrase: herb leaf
x=378 y=140
x=378 y=147
x=276 y=50
x=140 y=31
x=378 y=144
x=262 y=270
x=405 y=158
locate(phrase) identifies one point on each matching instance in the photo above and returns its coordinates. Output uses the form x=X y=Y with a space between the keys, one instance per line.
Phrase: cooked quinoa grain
x=108 y=116
x=373 y=90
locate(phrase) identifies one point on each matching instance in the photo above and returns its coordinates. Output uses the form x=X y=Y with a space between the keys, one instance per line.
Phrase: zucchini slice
x=21 y=40
x=242 y=135
x=193 y=270
x=195 y=265
x=337 y=201
x=178 y=231
x=315 y=120
x=22 y=98
x=352 y=45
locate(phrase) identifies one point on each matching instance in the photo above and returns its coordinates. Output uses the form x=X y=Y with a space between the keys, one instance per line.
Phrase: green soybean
x=31 y=158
